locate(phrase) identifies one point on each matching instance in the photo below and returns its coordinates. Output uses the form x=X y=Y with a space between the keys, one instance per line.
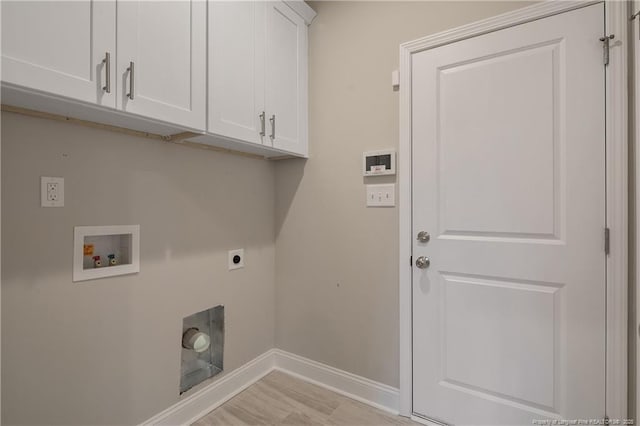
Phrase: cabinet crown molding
x=303 y=9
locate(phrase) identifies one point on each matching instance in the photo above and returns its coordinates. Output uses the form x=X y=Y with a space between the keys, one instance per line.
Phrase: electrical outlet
x=236 y=259
x=51 y=191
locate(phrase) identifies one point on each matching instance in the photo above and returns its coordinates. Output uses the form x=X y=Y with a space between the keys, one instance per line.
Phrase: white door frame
x=616 y=19
x=634 y=80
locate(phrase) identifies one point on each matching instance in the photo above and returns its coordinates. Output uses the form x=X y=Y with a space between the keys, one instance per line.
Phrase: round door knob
x=423 y=236
x=423 y=262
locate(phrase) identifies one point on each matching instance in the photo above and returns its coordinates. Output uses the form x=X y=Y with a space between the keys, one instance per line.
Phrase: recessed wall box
x=376 y=163
x=197 y=365
x=105 y=251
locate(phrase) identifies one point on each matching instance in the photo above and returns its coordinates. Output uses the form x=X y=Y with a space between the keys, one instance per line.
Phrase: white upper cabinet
x=286 y=79
x=236 y=70
x=258 y=74
x=60 y=48
x=161 y=56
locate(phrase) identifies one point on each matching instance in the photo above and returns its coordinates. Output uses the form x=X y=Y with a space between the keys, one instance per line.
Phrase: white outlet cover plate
x=44 y=184
x=232 y=254
x=381 y=195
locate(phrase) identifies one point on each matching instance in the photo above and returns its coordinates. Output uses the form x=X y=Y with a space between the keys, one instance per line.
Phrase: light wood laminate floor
x=280 y=399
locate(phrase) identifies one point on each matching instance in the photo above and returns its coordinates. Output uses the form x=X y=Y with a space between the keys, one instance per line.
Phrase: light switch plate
x=51 y=191
x=381 y=195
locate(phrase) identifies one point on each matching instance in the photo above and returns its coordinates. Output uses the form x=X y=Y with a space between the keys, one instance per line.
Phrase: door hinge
x=410 y=260
x=607 y=244
x=605 y=48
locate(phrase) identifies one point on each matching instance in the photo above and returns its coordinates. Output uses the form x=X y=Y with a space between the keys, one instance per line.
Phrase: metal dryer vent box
x=196 y=367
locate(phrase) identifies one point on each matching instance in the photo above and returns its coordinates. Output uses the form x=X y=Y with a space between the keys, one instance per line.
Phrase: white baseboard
x=203 y=401
x=361 y=389
x=426 y=422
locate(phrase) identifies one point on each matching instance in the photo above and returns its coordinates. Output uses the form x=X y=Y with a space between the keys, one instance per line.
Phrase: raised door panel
x=471 y=96
x=166 y=43
x=59 y=47
x=236 y=70
x=286 y=79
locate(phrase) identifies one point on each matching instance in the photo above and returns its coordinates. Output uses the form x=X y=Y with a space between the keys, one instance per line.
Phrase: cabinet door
x=236 y=70
x=58 y=47
x=286 y=78
x=162 y=60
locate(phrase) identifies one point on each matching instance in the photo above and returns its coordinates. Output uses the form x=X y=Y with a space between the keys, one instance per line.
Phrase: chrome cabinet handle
x=263 y=130
x=272 y=120
x=423 y=262
x=131 y=70
x=107 y=65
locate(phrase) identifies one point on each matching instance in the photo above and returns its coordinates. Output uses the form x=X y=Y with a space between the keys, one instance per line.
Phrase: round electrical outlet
x=236 y=259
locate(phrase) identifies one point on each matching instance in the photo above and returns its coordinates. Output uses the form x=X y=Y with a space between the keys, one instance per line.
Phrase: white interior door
x=285 y=79
x=59 y=47
x=166 y=42
x=236 y=70
x=509 y=179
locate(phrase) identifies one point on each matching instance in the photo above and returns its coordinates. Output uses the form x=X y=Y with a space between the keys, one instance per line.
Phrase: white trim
x=424 y=421
x=361 y=389
x=303 y=9
x=406 y=240
x=198 y=404
x=520 y=16
x=617 y=210
x=635 y=107
x=203 y=401
x=616 y=104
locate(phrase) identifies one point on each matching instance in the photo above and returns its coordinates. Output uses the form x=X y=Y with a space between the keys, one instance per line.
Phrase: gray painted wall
x=108 y=351
x=337 y=261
